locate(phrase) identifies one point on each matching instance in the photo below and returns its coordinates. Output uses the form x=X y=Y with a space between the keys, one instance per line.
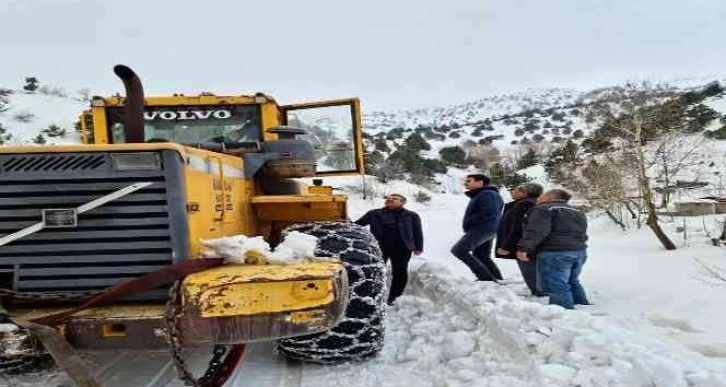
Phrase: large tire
x=360 y=333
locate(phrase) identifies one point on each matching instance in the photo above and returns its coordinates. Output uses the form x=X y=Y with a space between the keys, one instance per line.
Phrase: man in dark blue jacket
x=480 y=224
x=398 y=232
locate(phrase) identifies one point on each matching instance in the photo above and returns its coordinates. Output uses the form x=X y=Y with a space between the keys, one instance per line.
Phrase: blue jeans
x=558 y=275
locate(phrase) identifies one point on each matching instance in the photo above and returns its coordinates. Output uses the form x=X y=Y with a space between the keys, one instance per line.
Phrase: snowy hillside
x=48 y=113
x=469 y=112
x=551 y=116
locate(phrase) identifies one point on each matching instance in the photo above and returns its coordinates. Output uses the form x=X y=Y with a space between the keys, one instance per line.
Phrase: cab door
x=335 y=129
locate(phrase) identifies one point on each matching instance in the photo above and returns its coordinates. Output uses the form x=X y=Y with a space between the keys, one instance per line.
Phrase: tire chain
x=20 y=351
x=173 y=337
x=369 y=274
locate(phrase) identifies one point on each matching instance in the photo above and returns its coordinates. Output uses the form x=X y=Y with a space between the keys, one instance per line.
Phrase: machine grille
x=117 y=241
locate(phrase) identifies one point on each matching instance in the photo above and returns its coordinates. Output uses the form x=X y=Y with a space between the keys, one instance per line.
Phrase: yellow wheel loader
x=101 y=243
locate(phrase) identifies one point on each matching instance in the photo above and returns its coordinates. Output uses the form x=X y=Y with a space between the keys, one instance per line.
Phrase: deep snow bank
x=449 y=331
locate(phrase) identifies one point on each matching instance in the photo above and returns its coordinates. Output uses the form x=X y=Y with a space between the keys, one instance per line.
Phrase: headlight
x=136 y=161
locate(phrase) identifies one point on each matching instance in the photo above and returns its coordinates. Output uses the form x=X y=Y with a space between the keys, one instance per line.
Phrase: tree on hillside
x=503 y=175
x=482 y=156
x=415 y=143
x=559 y=116
x=675 y=152
x=384 y=169
x=381 y=145
x=24 y=117
x=39 y=139
x=603 y=185
x=600 y=181
x=563 y=158
x=31 y=84
x=4 y=136
x=699 y=117
x=453 y=155
x=528 y=159
x=634 y=133
x=719 y=134
x=54 y=131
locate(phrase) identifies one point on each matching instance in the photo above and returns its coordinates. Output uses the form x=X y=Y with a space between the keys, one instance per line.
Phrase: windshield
x=192 y=124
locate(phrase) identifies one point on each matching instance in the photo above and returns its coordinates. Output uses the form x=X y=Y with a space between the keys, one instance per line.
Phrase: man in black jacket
x=398 y=232
x=557 y=233
x=480 y=228
x=511 y=227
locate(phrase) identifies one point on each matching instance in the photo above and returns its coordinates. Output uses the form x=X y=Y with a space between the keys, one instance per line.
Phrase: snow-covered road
x=450 y=331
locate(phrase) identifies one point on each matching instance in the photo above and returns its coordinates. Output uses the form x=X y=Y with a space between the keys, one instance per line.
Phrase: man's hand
x=522 y=256
x=417 y=252
x=501 y=251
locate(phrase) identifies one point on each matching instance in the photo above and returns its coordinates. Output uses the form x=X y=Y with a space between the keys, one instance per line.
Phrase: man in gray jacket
x=556 y=233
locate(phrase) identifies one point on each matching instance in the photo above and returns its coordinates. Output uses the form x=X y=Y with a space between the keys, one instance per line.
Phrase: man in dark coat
x=511 y=228
x=481 y=219
x=398 y=232
x=557 y=233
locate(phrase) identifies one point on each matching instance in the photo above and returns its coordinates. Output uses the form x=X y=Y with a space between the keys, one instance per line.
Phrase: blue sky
x=391 y=54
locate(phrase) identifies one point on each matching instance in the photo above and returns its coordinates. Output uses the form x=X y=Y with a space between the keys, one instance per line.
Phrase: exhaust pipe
x=134 y=104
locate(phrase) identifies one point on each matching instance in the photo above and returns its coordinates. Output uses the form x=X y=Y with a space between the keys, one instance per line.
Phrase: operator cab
x=238 y=125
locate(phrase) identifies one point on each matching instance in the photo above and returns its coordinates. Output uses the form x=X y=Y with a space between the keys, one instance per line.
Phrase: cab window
x=193 y=124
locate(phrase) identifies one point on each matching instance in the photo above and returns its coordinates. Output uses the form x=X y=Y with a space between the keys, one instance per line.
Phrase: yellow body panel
x=289 y=208
x=217 y=198
x=239 y=290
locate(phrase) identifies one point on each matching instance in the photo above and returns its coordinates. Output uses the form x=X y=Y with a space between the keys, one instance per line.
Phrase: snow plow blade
x=244 y=303
x=229 y=304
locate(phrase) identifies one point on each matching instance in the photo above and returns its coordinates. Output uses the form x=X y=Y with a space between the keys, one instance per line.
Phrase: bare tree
x=634 y=131
x=482 y=156
x=601 y=183
x=603 y=186
x=675 y=152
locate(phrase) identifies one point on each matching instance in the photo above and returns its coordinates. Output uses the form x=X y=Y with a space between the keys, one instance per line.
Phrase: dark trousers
x=399 y=257
x=529 y=272
x=475 y=250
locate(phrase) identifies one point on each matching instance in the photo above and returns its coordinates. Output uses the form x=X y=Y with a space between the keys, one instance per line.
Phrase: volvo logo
x=188 y=114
